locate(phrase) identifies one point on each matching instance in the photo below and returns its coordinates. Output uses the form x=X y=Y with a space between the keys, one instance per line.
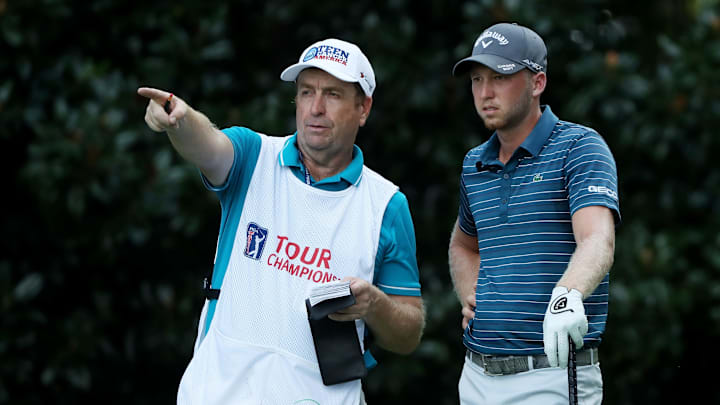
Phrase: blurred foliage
x=108 y=232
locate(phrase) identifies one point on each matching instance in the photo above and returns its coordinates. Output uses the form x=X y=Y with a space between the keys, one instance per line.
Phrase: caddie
x=297 y=211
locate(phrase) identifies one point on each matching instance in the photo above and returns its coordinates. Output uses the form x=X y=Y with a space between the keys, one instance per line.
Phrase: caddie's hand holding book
x=336 y=343
x=330 y=297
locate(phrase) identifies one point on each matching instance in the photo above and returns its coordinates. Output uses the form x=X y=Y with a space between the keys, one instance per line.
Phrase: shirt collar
x=533 y=143
x=540 y=134
x=290 y=156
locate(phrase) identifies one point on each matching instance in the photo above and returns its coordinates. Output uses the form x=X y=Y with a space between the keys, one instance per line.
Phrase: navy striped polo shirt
x=520 y=213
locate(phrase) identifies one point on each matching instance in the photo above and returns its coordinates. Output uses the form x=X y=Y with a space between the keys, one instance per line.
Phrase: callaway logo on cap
x=339 y=58
x=507 y=48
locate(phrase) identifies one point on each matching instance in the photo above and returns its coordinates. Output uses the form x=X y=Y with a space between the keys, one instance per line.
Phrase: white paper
x=327 y=291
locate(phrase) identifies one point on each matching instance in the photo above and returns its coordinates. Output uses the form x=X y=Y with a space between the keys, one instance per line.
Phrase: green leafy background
x=107 y=232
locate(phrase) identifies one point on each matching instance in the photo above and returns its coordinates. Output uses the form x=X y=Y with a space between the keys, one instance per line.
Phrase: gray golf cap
x=507 y=48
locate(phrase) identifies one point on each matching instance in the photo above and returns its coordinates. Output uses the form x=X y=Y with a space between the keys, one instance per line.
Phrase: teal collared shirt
x=290 y=157
x=396 y=271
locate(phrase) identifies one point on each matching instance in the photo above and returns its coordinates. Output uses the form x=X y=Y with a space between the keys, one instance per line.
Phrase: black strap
x=210 y=293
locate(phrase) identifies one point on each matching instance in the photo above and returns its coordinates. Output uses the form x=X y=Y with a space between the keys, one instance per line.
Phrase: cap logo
x=533 y=65
x=509 y=66
x=493 y=35
x=310 y=54
x=329 y=53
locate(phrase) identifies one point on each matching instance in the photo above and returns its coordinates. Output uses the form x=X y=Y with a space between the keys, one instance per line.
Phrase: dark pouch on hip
x=336 y=343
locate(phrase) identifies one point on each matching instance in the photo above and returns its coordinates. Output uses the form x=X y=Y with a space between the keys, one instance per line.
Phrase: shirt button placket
x=504 y=197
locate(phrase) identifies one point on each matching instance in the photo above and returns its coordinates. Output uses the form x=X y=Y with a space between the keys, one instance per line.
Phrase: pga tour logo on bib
x=256 y=236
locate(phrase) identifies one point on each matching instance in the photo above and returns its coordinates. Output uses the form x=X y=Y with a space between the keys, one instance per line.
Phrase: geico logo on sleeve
x=603 y=190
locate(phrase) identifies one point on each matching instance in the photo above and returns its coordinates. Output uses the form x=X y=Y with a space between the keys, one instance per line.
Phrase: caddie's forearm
x=198 y=140
x=397 y=323
x=589 y=264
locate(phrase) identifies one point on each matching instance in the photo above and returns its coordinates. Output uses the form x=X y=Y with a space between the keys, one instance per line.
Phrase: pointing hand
x=159 y=118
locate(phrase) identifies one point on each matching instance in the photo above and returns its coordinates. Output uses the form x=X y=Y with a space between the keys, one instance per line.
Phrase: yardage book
x=336 y=343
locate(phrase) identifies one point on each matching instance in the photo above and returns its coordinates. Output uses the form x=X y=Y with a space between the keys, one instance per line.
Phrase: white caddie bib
x=291 y=236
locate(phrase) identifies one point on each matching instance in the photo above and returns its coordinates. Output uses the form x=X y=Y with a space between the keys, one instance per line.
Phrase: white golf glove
x=565 y=316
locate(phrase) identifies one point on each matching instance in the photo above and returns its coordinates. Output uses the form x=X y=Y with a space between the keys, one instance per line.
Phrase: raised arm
x=191 y=133
x=464 y=261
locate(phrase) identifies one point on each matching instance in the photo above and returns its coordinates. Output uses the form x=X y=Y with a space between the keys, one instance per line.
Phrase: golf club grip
x=572 y=374
x=166 y=106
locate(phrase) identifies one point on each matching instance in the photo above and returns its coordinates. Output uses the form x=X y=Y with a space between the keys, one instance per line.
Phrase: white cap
x=339 y=58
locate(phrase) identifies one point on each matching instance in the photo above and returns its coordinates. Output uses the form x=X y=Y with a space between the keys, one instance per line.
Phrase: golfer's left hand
x=565 y=316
